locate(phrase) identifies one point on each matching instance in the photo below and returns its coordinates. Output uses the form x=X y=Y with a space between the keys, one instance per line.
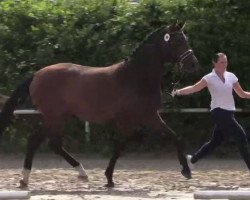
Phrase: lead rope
x=175 y=85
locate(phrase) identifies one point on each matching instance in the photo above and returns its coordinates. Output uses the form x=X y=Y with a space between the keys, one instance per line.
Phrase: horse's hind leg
x=34 y=141
x=55 y=143
x=55 y=125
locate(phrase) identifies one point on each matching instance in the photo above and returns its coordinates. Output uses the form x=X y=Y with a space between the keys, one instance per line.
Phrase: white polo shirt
x=221 y=93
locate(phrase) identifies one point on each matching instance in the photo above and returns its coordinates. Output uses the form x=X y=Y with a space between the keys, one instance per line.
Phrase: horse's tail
x=18 y=97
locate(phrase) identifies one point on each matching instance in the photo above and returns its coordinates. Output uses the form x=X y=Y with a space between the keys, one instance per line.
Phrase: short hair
x=216 y=56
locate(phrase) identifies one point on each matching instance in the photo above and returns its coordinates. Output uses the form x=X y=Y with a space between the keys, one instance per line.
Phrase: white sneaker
x=190 y=164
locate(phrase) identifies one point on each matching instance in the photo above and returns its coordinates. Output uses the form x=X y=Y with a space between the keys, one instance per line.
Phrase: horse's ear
x=173 y=26
x=176 y=23
x=182 y=25
x=176 y=26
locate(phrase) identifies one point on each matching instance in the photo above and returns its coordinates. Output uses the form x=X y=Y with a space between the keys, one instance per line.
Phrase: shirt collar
x=214 y=73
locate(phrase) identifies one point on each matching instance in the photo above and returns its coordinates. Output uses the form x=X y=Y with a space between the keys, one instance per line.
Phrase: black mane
x=147 y=39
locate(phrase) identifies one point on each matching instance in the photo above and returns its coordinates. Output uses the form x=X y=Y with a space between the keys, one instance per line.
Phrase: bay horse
x=126 y=94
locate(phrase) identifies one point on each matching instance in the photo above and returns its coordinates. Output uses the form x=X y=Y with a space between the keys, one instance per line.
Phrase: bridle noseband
x=184 y=55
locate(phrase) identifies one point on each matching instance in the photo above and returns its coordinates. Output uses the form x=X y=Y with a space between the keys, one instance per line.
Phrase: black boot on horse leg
x=34 y=141
x=55 y=143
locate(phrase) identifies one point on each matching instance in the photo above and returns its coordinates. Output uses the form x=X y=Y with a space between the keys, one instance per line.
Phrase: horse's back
x=68 y=88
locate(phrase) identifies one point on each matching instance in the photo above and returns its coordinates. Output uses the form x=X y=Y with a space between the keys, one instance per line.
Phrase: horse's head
x=175 y=48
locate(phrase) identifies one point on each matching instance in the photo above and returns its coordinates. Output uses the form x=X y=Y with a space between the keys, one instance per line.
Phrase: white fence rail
x=181 y=110
x=196 y=110
x=26 y=112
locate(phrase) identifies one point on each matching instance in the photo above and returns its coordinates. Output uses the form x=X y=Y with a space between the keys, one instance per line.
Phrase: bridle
x=184 y=55
x=179 y=62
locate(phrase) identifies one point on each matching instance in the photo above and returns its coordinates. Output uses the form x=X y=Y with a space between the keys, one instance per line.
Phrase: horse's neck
x=143 y=76
x=146 y=62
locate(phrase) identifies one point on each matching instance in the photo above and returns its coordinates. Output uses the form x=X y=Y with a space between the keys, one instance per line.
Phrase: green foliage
x=37 y=33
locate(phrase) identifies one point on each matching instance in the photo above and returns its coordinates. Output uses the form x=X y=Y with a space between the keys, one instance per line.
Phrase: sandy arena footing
x=137 y=178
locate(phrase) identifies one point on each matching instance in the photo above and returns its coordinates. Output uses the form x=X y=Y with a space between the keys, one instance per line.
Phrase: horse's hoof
x=83 y=178
x=186 y=173
x=110 y=185
x=23 y=184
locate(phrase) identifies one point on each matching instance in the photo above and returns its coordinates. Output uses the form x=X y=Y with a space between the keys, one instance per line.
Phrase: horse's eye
x=166 y=37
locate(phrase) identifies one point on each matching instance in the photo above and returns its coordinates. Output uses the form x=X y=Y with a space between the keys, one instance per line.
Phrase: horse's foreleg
x=119 y=146
x=55 y=143
x=34 y=142
x=179 y=146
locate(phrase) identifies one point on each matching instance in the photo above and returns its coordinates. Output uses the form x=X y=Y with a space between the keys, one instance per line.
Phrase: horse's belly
x=91 y=114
